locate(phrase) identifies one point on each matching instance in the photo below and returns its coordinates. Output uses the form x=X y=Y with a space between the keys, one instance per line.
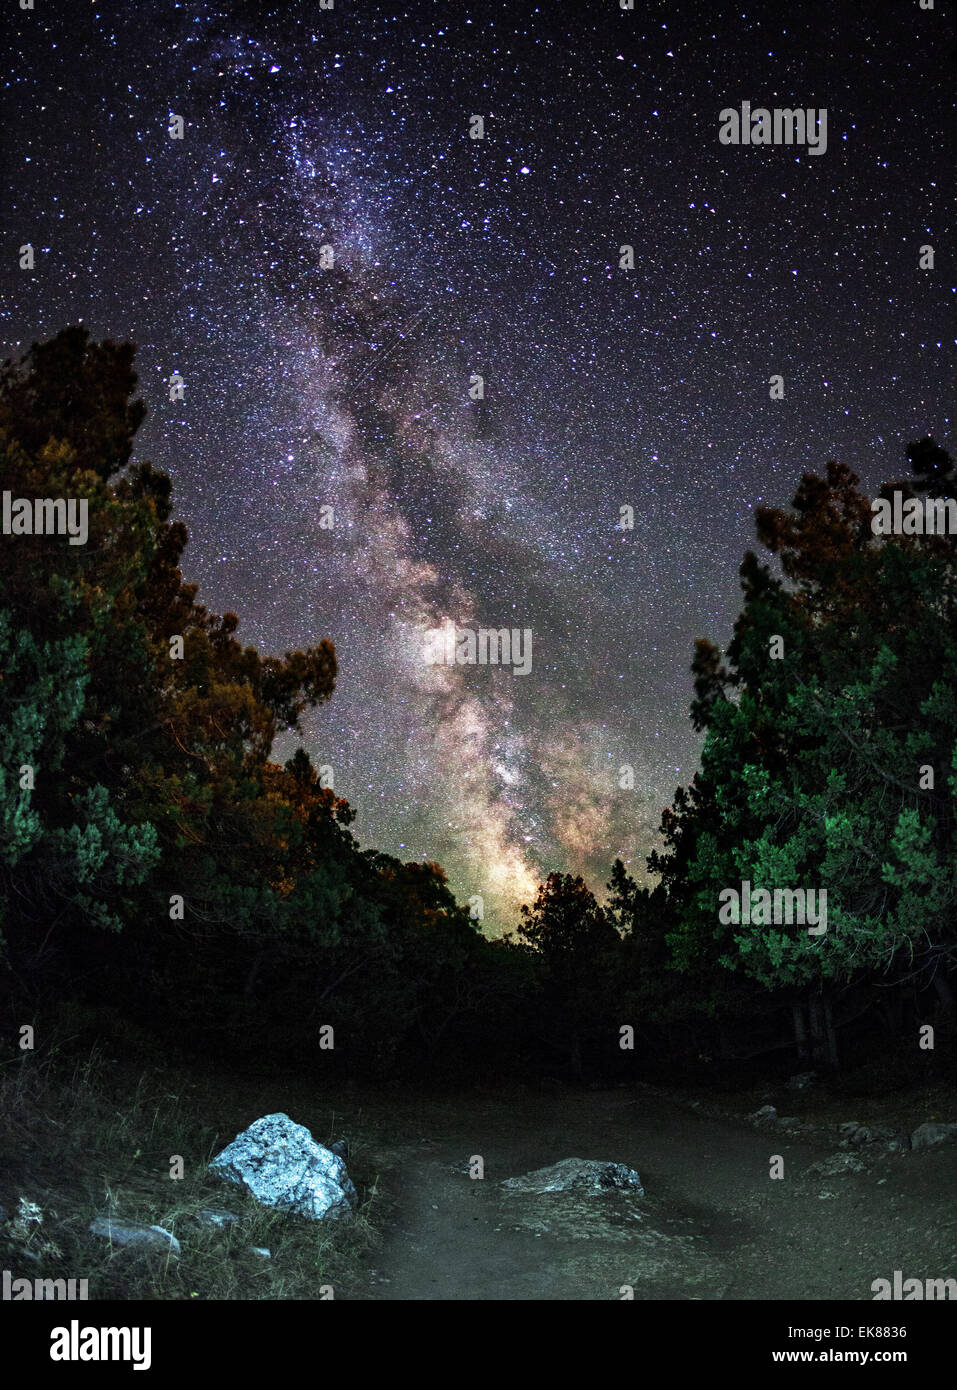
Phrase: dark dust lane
x=712 y=1225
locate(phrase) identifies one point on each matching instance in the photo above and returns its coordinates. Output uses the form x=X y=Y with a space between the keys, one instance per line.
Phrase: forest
x=159 y=866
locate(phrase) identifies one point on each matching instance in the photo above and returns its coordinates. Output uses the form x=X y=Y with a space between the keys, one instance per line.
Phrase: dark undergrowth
x=85 y=1132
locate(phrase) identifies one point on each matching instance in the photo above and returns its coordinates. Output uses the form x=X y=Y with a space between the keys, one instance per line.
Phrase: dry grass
x=91 y=1137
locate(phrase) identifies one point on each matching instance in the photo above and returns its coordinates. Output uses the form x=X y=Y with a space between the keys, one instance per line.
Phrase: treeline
x=829 y=763
x=156 y=865
x=153 y=858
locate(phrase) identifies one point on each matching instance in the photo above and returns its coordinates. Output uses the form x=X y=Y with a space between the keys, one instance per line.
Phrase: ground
x=712 y=1225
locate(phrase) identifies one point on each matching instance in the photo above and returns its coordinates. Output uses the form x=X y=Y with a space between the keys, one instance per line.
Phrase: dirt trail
x=712 y=1224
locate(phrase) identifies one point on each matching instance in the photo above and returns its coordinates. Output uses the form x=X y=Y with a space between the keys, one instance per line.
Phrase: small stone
x=216 y=1216
x=767 y=1112
x=260 y=1250
x=925 y=1136
x=129 y=1233
x=881 y=1132
x=578 y=1175
x=858 y=1136
x=836 y=1164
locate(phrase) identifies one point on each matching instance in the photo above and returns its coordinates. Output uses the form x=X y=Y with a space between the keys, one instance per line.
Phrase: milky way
x=348 y=386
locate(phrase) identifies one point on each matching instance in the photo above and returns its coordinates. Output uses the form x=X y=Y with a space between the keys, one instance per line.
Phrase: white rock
x=280 y=1164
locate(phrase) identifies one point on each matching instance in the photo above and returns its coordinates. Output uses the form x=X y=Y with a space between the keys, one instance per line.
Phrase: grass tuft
x=89 y=1136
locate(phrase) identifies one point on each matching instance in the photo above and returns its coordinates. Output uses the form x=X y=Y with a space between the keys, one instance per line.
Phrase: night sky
x=308 y=387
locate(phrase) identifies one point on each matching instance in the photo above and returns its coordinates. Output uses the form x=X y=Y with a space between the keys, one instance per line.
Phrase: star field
x=308 y=387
